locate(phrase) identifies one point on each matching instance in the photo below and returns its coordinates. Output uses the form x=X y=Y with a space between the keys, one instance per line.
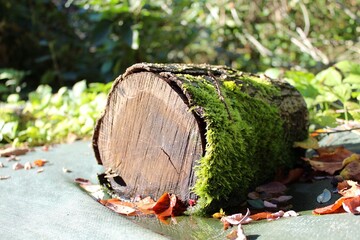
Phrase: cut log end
x=149 y=136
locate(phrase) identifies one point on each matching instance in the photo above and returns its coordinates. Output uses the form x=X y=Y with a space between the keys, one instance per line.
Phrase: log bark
x=197 y=131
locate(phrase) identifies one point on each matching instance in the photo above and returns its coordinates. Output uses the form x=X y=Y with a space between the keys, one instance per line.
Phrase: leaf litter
x=270 y=197
x=167 y=206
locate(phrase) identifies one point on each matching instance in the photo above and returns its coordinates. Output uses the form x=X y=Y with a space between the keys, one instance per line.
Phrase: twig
x=220 y=93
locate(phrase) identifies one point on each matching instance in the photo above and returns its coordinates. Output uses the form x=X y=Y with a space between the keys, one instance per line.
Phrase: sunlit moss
x=244 y=138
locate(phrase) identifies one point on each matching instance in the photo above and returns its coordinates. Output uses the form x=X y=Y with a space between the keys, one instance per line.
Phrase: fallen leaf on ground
x=273 y=216
x=1 y=165
x=350 y=200
x=293 y=175
x=260 y=216
x=45 y=148
x=329 y=159
x=352 y=158
x=282 y=199
x=290 y=213
x=333 y=208
x=168 y=205
x=4 y=177
x=13 y=158
x=317 y=132
x=269 y=204
x=309 y=143
x=7 y=152
x=94 y=190
x=118 y=206
x=272 y=187
x=236 y=219
x=145 y=205
x=219 y=215
x=82 y=181
x=353 y=189
x=40 y=162
x=40 y=170
x=65 y=170
x=351 y=171
x=17 y=166
x=237 y=234
x=352 y=205
x=27 y=166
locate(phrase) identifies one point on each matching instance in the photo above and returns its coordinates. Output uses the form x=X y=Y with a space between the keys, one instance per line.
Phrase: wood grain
x=149 y=137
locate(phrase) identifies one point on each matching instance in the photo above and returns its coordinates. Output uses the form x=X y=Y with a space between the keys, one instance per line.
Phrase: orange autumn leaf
x=40 y=162
x=352 y=205
x=260 y=216
x=333 y=208
x=168 y=205
x=162 y=204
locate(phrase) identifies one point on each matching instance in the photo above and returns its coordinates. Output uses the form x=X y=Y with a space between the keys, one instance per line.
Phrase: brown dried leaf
x=17 y=166
x=118 y=206
x=4 y=177
x=7 y=152
x=236 y=219
x=329 y=159
x=293 y=175
x=237 y=234
x=282 y=199
x=82 y=181
x=145 y=205
x=272 y=187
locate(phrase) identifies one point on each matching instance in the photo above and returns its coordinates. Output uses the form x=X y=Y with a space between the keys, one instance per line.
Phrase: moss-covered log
x=199 y=131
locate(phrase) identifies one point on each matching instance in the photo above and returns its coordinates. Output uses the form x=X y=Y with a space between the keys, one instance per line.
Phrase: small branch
x=306 y=18
x=170 y=160
x=220 y=93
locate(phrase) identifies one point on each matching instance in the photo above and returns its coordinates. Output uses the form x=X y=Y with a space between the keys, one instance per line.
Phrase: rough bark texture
x=197 y=131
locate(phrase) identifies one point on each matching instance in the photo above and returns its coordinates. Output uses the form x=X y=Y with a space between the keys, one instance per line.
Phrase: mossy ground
x=244 y=138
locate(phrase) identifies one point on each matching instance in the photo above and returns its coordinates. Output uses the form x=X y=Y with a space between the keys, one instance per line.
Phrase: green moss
x=244 y=143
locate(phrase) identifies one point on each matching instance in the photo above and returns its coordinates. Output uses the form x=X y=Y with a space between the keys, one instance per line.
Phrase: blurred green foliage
x=60 y=42
x=47 y=118
x=332 y=94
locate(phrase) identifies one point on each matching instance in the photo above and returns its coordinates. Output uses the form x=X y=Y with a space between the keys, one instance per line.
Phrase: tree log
x=199 y=131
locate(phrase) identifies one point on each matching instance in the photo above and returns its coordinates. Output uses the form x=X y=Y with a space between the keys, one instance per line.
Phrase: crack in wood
x=169 y=158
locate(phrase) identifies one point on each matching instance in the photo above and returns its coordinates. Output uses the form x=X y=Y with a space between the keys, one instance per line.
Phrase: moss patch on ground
x=244 y=137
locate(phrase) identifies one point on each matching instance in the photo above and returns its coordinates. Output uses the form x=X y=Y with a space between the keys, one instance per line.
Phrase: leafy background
x=48 y=48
